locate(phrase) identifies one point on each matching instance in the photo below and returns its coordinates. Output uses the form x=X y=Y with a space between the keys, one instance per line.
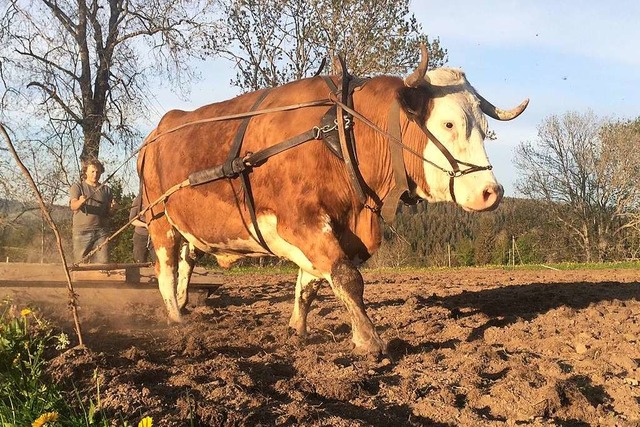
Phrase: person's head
x=91 y=170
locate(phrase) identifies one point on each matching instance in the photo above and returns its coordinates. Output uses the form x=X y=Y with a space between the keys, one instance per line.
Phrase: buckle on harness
x=233 y=168
x=318 y=131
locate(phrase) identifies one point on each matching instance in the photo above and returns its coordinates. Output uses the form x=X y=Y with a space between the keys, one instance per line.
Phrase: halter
x=396 y=137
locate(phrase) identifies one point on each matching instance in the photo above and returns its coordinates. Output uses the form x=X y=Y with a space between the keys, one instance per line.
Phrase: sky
x=562 y=55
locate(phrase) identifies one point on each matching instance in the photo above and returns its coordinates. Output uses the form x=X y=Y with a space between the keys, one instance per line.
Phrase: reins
x=249 y=114
x=238 y=166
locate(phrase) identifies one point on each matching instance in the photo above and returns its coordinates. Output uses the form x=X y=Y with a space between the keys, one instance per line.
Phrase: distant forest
x=424 y=235
x=443 y=234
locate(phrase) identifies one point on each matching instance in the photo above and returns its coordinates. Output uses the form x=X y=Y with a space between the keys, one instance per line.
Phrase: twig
x=73 y=297
x=330 y=333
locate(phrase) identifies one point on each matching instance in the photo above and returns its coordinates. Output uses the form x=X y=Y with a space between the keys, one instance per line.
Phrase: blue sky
x=564 y=56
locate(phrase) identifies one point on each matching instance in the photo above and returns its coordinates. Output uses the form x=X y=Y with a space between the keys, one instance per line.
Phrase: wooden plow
x=117 y=276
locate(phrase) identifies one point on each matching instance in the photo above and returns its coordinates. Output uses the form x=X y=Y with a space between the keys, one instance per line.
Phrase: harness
x=338 y=120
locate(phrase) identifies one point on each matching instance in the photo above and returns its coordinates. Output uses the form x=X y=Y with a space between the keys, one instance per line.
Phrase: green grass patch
x=618 y=265
x=290 y=268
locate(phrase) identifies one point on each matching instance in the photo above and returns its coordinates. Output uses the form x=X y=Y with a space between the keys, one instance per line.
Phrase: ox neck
x=384 y=171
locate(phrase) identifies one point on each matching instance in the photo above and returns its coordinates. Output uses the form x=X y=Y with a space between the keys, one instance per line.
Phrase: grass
x=290 y=268
x=617 y=265
x=27 y=395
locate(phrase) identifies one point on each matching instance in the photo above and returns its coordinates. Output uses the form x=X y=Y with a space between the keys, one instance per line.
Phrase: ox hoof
x=174 y=320
x=296 y=338
x=374 y=347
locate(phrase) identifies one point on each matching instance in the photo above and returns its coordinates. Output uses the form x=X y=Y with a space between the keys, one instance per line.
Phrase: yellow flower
x=45 y=418
x=25 y=312
x=146 y=422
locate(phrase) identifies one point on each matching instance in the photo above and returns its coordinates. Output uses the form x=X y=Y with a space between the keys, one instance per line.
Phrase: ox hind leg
x=166 y=243
x=185 y=268
x=307 y=287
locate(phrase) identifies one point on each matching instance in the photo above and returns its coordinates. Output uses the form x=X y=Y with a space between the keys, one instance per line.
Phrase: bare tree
x=276 y=41
x=87 y=62
x=618 y=170
x=582 y=167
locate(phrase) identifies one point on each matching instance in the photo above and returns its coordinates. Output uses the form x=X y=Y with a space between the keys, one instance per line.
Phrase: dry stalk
x=73 y=297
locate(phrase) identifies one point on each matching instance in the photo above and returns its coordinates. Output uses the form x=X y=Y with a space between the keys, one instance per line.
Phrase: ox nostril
x=492 y=194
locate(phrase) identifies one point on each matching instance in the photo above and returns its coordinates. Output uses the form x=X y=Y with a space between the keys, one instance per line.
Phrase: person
x=142 y=246
x=91 y=204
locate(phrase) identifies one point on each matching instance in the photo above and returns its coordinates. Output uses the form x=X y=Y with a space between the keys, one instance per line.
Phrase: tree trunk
x=587 y=242
x=92 y=133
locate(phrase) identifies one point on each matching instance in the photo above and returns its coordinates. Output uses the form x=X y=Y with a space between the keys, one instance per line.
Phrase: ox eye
x=449 y=125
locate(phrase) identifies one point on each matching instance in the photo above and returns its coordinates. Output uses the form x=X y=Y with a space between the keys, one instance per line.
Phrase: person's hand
x=82 y=199
x=113 y=205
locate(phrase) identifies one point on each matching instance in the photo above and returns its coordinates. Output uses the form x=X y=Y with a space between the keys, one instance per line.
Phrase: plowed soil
x=471 y=347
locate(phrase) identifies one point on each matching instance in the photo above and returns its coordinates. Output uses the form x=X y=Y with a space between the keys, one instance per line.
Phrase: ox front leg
x=348 y=285
x=166 y=247
x=185 y=268
x=307 y=287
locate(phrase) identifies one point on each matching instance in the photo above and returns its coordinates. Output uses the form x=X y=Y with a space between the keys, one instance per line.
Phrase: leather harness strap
x=401 y=186
x=233 y=156
x=346 y=141
x=236 y=166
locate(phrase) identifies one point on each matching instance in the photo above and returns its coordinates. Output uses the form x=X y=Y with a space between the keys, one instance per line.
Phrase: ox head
x=452 y=115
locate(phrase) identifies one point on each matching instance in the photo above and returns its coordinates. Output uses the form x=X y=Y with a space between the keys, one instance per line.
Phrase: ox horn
x=417 y=77
x=492 y=111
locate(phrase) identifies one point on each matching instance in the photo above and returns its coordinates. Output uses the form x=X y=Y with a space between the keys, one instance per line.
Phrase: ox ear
x=414 y=101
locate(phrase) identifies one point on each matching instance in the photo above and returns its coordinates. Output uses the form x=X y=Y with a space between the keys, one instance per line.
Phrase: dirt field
x=472 y=347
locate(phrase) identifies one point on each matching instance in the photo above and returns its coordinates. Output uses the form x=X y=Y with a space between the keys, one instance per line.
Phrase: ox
x=302 y=204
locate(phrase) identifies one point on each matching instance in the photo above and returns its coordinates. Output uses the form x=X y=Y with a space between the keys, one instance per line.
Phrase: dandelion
x=146 y=422
x=47 y=417
x=25 y=312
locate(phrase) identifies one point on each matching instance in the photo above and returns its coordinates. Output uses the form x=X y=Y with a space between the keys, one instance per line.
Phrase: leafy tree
x=484 y=239
x=465 y=252
x=121 y=247
x=276 y=41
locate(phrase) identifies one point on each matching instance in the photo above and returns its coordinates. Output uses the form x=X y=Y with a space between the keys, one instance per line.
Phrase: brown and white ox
x=305 y=206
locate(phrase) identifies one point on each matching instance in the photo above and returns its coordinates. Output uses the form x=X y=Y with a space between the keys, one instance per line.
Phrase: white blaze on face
x=456 y=120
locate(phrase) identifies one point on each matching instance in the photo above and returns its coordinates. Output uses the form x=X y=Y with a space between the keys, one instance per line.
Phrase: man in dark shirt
x=91 y=203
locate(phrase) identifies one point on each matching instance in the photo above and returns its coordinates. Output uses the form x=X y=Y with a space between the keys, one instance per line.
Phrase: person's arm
x=76 y=204
x=77 y=198
x=138 y=223
x=113 y=205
